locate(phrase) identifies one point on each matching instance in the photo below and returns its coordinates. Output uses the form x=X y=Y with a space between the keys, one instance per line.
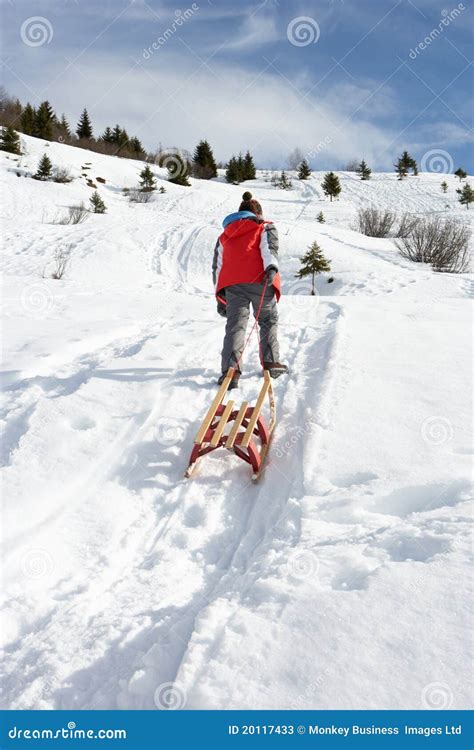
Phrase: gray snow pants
x=238 y=298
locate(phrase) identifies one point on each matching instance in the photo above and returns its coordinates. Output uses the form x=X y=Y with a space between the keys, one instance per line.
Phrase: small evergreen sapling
x=363 y=171
x=304 y=170
x=97 y=204
x=466 y=195
x=313 y=263
x=10 y=140
x=444 y=186
x=320 y=218
x=44 y=168
x=331 y=185
x=147 y=179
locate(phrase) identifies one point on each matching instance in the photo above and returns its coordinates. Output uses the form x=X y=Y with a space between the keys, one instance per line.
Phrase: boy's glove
x=221 y=309
x=270 y=273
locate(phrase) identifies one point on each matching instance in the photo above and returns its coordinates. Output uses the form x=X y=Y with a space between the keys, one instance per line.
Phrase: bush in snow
x=97 y=204
x=442 y=243
x=282 y=181
x=405 y=224
x=444 y=186
x=62 y=175
x=76 y=214
x=61 y=260
x=320 y=218
x=466 y=195
x=375 y=223
x=136 y=195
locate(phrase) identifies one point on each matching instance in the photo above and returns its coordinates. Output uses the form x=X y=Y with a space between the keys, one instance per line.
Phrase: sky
x=338 y=79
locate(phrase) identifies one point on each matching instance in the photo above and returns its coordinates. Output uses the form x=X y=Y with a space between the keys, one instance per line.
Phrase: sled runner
x=249 y=435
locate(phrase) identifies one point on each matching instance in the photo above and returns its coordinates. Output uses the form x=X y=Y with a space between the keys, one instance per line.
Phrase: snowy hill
x=340 y=580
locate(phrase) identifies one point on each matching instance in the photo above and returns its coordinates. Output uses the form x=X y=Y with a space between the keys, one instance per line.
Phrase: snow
x=341 y=579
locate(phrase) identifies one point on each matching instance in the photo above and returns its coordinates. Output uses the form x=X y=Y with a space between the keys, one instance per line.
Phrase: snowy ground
x=340 y=580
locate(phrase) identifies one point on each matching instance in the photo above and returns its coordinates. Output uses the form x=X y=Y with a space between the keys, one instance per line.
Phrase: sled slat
x=235 y=427
x=255 y=413
x=221 y=426
x=214 y=406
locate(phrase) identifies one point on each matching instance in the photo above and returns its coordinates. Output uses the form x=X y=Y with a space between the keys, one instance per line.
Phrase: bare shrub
x=375 y=223
x=406 y=223
x=136 y=195
x=60 y=262
x=62 y=175
x=442 y=243
x=77 y=214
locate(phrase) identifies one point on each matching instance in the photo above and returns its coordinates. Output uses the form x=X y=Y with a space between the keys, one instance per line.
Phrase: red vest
x=241 y=260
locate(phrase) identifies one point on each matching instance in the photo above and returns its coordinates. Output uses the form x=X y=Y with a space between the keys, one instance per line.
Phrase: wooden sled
x=249 y=435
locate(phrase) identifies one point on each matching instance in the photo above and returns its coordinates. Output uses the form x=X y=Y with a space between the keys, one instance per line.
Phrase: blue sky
x=338 y=79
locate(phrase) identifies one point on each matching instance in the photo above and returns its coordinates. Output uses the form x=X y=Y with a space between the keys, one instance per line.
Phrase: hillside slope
x=340 y=580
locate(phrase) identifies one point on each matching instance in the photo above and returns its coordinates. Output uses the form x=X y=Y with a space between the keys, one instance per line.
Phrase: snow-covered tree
x=312 y=263
x=331 y=185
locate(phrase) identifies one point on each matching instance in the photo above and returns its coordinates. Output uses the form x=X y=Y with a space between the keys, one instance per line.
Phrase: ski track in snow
x=123 y=576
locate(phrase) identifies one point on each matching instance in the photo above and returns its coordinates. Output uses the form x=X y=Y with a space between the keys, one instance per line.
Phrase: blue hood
x=236 y=216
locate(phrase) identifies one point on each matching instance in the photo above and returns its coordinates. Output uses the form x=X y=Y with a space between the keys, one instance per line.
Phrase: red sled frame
x=249 y=436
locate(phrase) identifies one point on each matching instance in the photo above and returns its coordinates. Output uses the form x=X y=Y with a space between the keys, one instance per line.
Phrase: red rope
x=253 y=328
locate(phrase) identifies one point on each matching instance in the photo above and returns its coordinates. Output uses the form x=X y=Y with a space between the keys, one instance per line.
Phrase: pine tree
x=444 y=186
x=44 y=168
x=178 y=170
x=64 y=127
x=97 y=204
x=204 y=165
x=304 y=171
x=284 y=182
x=44 y=121
x=401 y=169
x=136 y=147
x=320 y=218
x=364 y=171
x=466 y=195
x=27 y=120
x=313 y=263
x=408 y=162
x=107 y=136
x=331 y=185
x=232 y=173
x=248 y=167
x=10 y=140
x=84 y=126
x=147 y=179
x=461 y=174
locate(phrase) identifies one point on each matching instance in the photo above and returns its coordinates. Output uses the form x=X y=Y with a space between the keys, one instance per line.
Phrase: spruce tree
x=97 y=204
x=147 y=179
x=466 y=195
x=204 y=165
x=232 y=171
x=136 y=147
x=44 y=168
x=27 y=120
x=313 y=263
x=248 y=167
x=178 y=170
x=401 y=169
x=64 y=127
x=44 y=121
x=84 y=126
x=320 y=218
x=331 y=185
x=364 y=171
x=408 y=162
x=10 y=140
x=444 y=186
x=304 y=171
x=461 y=174
x=284 y=182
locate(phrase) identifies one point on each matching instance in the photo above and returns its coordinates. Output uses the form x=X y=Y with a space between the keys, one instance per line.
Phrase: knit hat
x=250 y=204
